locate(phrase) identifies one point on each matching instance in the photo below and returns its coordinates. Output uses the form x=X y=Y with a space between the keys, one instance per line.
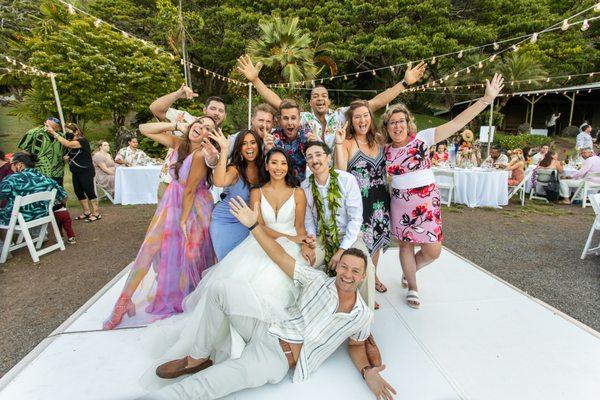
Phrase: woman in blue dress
x=237 y=175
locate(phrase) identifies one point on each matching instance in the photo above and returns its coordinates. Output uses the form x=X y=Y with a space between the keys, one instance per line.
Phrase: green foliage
x=510 y=142
x=152 y=148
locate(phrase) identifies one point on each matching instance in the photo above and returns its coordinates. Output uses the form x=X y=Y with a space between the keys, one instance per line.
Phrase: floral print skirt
x=416 y=215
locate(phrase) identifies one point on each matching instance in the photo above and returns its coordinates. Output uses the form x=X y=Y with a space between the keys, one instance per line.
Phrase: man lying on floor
x=329 y=310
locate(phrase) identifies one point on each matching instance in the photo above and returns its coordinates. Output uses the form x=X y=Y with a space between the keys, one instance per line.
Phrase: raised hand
x=269 y=141
x=245 y=66
x=218 y=137
x=209 y=151
x=415 y=74
x=242 y=212
x=379 y=386
x=186 y=92
x=340 y=135
x=493 y=88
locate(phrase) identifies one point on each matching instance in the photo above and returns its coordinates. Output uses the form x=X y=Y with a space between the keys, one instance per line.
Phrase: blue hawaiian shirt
x=295 y=149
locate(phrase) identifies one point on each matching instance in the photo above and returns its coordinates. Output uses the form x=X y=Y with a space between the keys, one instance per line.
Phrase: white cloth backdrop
x=137 y=185
x=479 y=187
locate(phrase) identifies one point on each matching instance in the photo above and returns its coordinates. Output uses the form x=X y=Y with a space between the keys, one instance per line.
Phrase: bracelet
x=213 y=166
x=340 y=143
x=253 y=226
x=364 y=370
x=484 y=102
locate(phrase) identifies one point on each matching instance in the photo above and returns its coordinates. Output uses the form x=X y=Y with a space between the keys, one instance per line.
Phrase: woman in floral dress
x=415 y=203
x=358 y=150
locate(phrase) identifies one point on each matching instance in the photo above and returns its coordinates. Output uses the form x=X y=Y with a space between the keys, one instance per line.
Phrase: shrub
x=519 y=141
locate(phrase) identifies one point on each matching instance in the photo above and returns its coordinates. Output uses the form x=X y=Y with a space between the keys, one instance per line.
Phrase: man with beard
x=321 y=120
x=333 y=216
x=50 y=152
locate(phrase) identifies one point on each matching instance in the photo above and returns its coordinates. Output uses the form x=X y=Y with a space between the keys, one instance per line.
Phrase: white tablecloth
x=137 y=185
x=478 y=187
x=568 y=171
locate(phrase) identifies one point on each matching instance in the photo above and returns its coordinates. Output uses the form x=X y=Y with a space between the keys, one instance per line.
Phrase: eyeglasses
x=315 y=155
x=397 y=123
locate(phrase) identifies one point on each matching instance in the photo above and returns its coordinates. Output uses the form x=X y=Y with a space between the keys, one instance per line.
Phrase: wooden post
x=572 y=106
x=57 y=100
x=491 y=121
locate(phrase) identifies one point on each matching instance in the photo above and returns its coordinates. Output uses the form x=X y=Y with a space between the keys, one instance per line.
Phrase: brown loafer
x=176 y=368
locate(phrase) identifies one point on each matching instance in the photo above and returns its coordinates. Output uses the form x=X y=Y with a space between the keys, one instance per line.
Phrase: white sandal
x=412 y=299
x=404 y=282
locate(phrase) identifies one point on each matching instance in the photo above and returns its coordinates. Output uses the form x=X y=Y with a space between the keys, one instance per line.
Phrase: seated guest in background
x=467 y=156
x=26 y=180
x=496 y=159
x=5 y=168
x=516 y=166
x=131 y=156
x=291 y=137
x=105 y=166
x=237 y=174
x=49 y=151
x=539 y=156
x=591 y=164
x=584 y=138
x=441 y=155
x=550 y=163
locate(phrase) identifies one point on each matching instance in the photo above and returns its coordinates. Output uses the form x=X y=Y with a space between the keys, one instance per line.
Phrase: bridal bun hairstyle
x=290 y=179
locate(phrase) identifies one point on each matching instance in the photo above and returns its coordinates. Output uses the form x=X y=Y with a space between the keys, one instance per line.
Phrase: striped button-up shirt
x=317 y=324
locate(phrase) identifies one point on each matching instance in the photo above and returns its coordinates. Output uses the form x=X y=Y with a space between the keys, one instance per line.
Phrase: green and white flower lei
x=328 y=230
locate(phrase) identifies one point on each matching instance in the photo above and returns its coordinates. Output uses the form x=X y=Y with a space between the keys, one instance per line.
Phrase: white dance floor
x=475 y=337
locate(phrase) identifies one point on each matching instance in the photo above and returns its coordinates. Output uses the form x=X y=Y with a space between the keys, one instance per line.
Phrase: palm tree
x=289 y=50
x=522 y=67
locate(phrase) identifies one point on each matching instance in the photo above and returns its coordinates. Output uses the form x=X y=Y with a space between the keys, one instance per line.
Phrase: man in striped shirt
x=328 y=311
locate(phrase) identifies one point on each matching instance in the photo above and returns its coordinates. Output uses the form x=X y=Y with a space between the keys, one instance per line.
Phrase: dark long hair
x=547 y=160
x=237 y=159
x=290 y=179
x=184 y=150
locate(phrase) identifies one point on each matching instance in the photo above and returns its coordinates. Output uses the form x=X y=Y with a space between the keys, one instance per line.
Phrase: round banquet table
x=137 y=185
x=479 y=187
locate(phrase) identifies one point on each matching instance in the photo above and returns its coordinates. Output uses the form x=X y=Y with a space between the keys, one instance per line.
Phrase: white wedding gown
x=274 y=292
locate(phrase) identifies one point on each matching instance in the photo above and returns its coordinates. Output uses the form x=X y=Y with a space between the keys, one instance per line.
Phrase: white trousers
x=261 y=362
x=367 y=288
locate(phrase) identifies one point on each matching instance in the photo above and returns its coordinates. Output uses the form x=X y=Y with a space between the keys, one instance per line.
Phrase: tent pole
x=491 y=121
x=57 y=99
x=249 y=105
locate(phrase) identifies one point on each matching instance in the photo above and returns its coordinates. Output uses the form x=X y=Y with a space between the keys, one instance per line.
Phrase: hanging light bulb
x=97 y=22
x=374 y=73
x=433 y=60
x=125 y=34
x=534 y=38
x=199 y=70
x=206 y=72
x=456 y=74
x=592 y=74
x=585 y=26
x=345 y=77
x=469 y=87
x=156 y=50
x=468 y=70
x=496 y=46
x=569 y=78
x=597 y=7
x=392 y=68
x=356 y=75
x=493 y=57
x=565 y=25
x=330 y=79
x=460 y=54
x=446 y=77
x=512 y=83
x=515 y=47
x=71 y=9
x=547 y=79
x=529 y=81
x=480 y=65
x=172 y=56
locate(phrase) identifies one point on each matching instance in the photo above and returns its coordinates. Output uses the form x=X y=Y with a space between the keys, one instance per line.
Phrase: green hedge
x=509 y=142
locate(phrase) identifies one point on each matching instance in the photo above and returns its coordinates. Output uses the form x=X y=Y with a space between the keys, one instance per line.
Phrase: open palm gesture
x=493 y=88
x=415 y=74
x=221 y=139
x=247 y=68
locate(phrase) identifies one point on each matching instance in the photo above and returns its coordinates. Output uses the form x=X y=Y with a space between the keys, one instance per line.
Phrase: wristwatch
x=404 y=83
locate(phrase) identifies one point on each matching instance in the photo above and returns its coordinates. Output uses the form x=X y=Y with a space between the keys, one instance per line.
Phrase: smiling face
x=361 y=120
x=262 y=123
x=249 y=147
x=544 y=149
x=350 y=272
x=317 y=159
x=200 y=130
x=277 y=166
x=319 y=100
x=289 y=120
x=216 y=110
x=397 y=127
x=441 y=148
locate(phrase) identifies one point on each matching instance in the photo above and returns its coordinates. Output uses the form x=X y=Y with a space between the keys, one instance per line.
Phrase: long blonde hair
x=387 y=115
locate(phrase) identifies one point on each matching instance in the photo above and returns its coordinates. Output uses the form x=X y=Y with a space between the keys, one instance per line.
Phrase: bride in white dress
x=282 y=215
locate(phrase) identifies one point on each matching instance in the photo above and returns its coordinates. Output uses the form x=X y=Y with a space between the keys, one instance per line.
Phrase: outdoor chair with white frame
x=18 y=224
x=595 y=201
x=586 y=186
x=520 y=188
x=105 y=192
x=542 y=181
x=445 y=181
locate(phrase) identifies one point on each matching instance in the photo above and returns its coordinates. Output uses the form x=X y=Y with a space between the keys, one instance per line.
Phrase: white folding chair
x=105 y=193
x=18 y=224
x=520 y=187
x=542 y=180
x=445 y=180
x=589 y=185
x=595 y=202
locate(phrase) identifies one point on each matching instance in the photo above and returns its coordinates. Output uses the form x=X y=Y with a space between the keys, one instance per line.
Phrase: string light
x=496 y=46
x=460 y=54
x=356 y=75
x=515 y=47
x=345 y=78
x=468 y=70
x=493 y=57
x=534 y=38
x=374 y=73
x=97 y=22
x=585 y=26
x=480 y=65
x=433 y=61
x=565 y=25
x=597 y=7
x=71 y=9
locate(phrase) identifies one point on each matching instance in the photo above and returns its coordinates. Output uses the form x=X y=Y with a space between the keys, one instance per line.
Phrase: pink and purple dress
x=178 y=264
x=415 y=204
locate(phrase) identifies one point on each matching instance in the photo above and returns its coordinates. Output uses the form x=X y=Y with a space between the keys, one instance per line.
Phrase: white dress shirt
x=349 y=214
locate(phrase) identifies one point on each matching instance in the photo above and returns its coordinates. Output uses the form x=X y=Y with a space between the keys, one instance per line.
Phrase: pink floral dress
x=415 y=202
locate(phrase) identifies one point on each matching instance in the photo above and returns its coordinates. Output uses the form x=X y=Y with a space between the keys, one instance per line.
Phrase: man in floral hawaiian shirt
x=321 y=120
x=291 y=137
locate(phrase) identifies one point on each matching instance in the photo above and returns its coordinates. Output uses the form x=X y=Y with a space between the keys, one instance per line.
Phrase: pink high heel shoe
x=124 y=306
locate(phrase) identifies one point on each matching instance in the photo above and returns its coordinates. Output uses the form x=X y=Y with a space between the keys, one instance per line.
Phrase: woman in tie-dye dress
x=177 y=244
x=415 y=203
